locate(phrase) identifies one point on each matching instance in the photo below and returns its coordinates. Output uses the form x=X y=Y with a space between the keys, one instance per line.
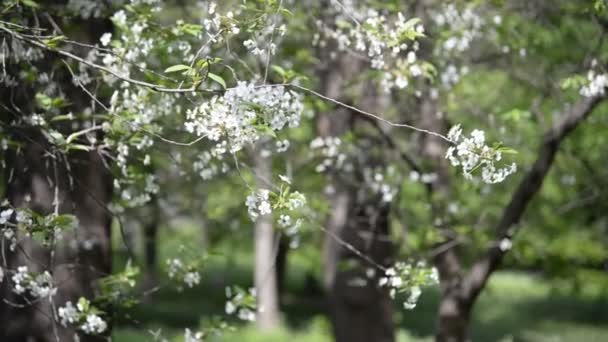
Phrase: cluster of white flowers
x=389 y=42
x=177 y=270
x=213 y=24
x=68 y=314
x=135 y=104
x=258 y=203
x=376 y=181
x=451 y=74
x=239 y=117
x=20 y=52
x=192 y=278
x=291 y=229
x=93 y=325
x=8 y=232
x=207 y=166
x=296 y=200
x=264 y=42
x=332 y=157
x=82 y=315
x=190 y=336
x=465 y=25
x=5 y=215
x=282 y=145
x=473 y=153
x=426 y=178
x=38 y=285
x=241 y=303
x=505 y=244
x=22 y=217
x=405 y=278
x=175 y=266
x=597 y=85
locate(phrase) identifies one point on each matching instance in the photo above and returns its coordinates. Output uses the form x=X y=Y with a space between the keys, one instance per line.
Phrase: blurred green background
x=517 y=305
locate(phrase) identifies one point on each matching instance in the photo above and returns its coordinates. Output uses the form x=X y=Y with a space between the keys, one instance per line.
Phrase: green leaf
x=279 y=70
x=43 y=101
x=217 y=79
x=575 y=81
x=80 y=147
x=266 y=130
x=410 y=24
x=176 y=68
x=64 y=221
x=84 y=304
x=30 y=3
x=62 y=118
x=53 y=42
x=506 y=150
x=56 y=138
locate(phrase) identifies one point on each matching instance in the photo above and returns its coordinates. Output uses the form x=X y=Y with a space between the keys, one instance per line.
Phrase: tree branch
x=529 y=186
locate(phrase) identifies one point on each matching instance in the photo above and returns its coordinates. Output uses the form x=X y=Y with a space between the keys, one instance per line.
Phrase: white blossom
x=94 y=324
x=68 y=314
x=106 y=38
x=192 y=278
x=189 y=336
x=258 y=203
x=505 y=244
x=596 y=86
x=472 y=153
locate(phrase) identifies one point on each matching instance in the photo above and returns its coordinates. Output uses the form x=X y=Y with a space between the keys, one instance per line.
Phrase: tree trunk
x=265 y=267
x=150 y=231
x=362 y=311
x=453 y=318
x=80 y=257
x=281 y=266
x=76 y=183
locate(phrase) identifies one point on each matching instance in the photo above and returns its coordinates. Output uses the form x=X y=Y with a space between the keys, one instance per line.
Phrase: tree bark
x=361 y=311
x=150 y=231
x=265 y=266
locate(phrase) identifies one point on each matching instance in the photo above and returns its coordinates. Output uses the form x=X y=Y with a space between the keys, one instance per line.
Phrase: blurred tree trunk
x=334 y=124
x=78 y=184
x=150 y=231
x=454 y=310
x=81 y=256
x=281 y=265
x=265 y=266
x=360 y=311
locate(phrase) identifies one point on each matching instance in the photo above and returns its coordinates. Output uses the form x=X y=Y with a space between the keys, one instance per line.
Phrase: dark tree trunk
x=80 y=258
x=76 y=183
x=453 y=318
x=361 y=311
x=150 y=231
x=281 y=266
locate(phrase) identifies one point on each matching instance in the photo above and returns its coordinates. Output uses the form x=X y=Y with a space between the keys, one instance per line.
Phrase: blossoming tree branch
x=108 y=106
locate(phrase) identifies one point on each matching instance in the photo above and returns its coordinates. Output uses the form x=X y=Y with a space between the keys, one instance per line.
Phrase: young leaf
x=217 y=79
x=176 y=68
